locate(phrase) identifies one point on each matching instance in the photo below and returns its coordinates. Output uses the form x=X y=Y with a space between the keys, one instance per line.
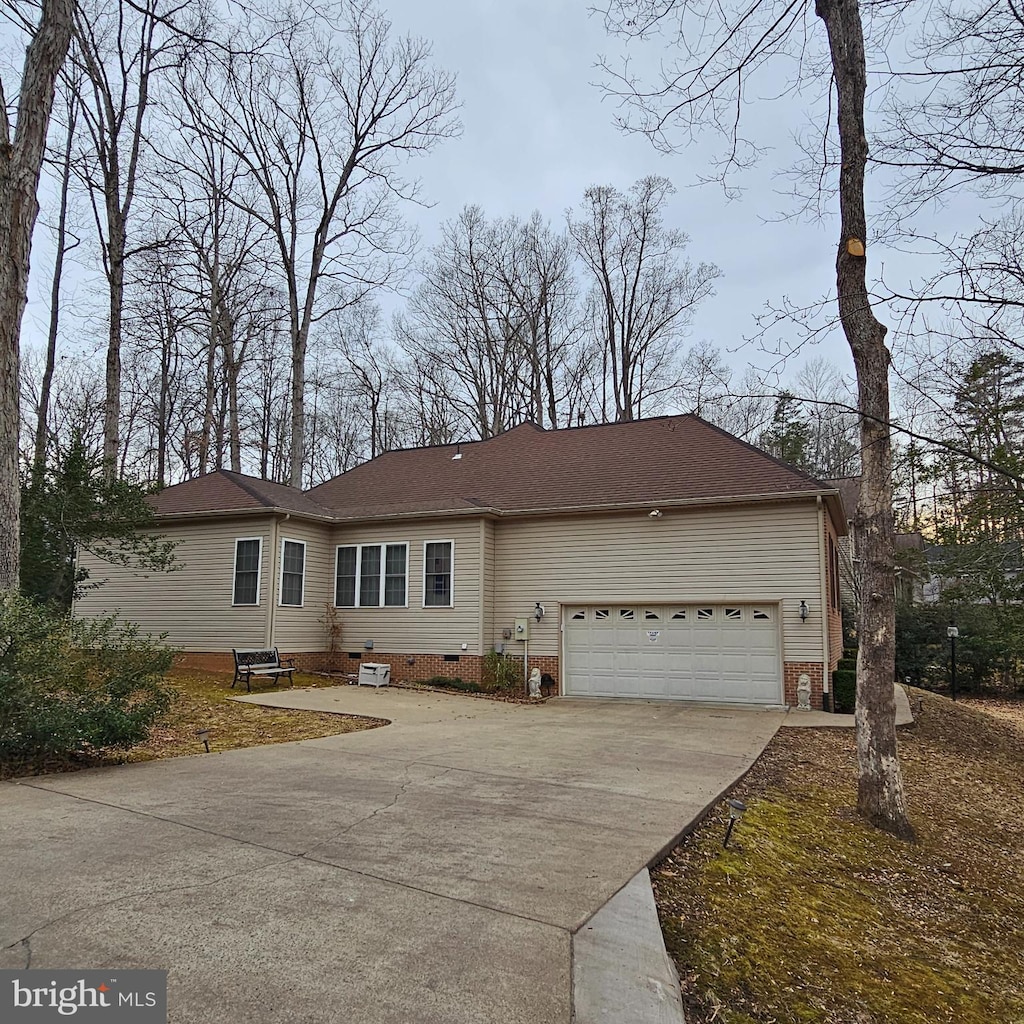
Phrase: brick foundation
x=793 y=670
x=468 y=667
x=413 y=668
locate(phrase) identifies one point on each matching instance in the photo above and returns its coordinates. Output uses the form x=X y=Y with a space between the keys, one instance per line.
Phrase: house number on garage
x=653 y=635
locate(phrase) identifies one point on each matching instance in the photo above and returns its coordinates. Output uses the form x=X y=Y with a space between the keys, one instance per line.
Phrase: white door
x=727 y=652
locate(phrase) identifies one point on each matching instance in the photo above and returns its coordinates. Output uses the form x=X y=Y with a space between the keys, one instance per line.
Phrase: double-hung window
x=372 y=576
x=247 y=571
x=438 y=564
x=293 y=572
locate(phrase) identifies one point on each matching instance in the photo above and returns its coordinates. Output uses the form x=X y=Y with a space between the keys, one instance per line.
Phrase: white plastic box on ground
x=371 y=674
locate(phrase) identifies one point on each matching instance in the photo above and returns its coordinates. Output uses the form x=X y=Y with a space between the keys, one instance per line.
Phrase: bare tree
x=643 y=295
x=321 y=120
x=63 y=244
x=833 y=443
x=120 y=49
x=538 y=272
x=22 y=149
x=721 y=49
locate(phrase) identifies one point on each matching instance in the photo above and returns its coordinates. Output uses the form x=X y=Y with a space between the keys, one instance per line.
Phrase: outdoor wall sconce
x=736 y=809
x=203 y=735
x=538 y=611
x=804 y=611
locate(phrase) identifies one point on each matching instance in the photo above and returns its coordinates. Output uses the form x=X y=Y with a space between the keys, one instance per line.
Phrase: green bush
x=71 y=685
x=454 y=683
x=502 y=672
x=844 y=690
x=989 y=649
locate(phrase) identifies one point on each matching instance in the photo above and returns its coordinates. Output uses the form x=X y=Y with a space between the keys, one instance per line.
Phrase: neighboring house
x=665 y=558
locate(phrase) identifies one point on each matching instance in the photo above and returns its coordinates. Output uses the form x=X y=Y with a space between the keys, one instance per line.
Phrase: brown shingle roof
x=849 y=491
x=223 y=491
x=662 y=461
x=644 y=462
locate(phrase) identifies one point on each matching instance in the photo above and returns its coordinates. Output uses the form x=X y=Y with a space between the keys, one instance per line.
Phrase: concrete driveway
x=433 y=870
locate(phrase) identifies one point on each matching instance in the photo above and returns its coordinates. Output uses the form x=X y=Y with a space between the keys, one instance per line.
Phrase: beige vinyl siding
x=192 y=603
x=415 y=629
x=487 y=584
x=303 y=629
x=763 y=553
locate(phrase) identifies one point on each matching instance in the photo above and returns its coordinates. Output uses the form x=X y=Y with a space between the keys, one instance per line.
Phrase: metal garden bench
x=255 y=661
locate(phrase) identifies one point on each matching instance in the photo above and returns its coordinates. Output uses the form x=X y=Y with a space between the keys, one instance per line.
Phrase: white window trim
x=451 y=589
x=383 y=545
x=280 y=587
x=259 y=573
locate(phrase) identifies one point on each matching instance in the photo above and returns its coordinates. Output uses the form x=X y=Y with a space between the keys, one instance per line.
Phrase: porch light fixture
x=804 y=611
x=736 y=809
x=538 y=611
x=203 y=735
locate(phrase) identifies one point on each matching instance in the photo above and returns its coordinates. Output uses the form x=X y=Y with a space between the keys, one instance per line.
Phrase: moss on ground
x=202 y=701
x=813 y=916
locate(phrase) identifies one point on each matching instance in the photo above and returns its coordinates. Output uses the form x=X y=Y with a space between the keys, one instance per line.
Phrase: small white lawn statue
x=803 y=692
x=534 y=682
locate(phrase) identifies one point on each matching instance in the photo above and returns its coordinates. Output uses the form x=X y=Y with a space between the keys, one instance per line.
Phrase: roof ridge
x=760 y=451
x=250 y=490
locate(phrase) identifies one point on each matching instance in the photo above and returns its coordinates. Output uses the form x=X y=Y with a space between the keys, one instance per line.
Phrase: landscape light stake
x=203 y=736
x=736 y=809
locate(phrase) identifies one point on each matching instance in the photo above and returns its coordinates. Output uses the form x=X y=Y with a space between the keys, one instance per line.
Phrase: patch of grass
x=812 y=917
x=202 y=701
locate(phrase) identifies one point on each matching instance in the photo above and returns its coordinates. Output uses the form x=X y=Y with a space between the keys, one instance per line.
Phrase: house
x=661 y=558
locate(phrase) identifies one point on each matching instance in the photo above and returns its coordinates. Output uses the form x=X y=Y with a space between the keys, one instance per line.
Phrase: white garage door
x=727 y=652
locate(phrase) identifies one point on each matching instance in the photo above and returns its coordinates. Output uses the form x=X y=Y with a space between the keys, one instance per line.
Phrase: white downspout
x=275 y=557
x=826 y=650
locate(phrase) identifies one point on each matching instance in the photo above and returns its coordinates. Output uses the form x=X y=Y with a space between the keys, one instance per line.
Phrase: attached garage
x=707 y=652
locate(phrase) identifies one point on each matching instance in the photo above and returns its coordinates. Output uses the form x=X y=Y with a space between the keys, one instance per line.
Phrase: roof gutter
x=740 y=499
x=830 y=496
x=237 y=513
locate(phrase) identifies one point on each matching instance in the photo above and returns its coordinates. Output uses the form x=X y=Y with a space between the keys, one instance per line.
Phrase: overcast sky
x=538 y=131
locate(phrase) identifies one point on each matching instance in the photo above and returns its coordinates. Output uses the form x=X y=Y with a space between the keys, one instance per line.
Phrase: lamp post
x=952 y=632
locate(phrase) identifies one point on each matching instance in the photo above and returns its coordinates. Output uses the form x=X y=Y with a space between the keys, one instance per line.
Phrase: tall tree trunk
x=298 y=406
x=163 y=427
x=880 y=796
x=115 y=277
x=21 y=160
x=43 y=411
x=234 y=430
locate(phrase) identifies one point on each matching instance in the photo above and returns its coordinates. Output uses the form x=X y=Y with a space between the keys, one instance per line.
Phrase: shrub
x=989 y=650
x=453 y=683
x=71 y=685
x=844 y=690
x=502 y=672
